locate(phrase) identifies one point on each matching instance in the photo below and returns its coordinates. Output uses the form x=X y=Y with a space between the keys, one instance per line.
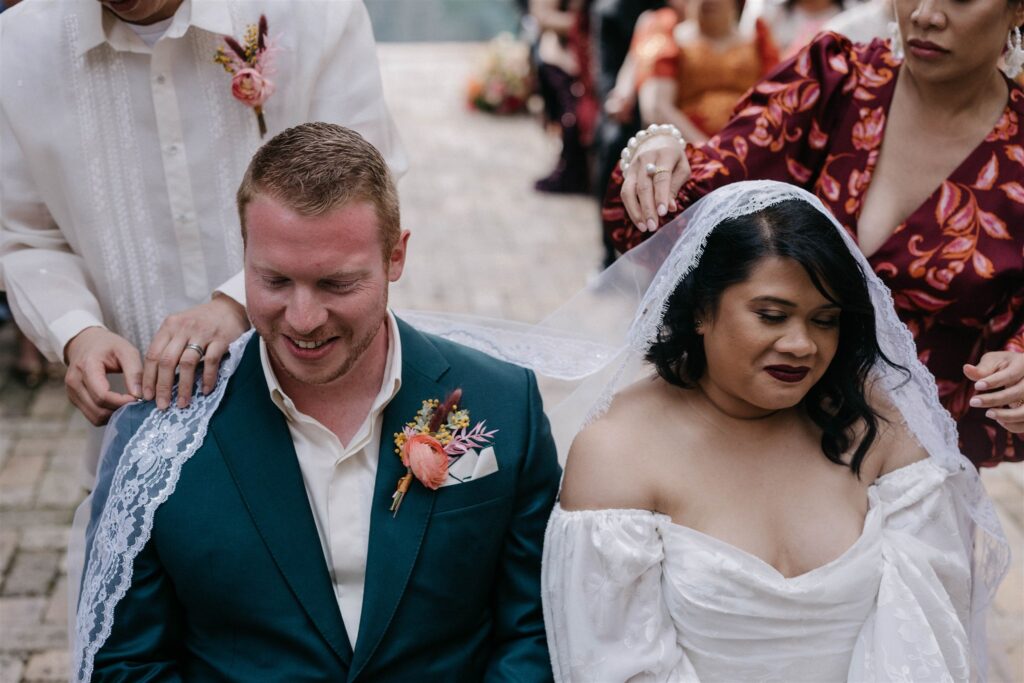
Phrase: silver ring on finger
x=198 y=349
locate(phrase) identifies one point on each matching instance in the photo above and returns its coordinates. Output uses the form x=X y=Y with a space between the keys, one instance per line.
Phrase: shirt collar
x=389 y=387
x=98 y=25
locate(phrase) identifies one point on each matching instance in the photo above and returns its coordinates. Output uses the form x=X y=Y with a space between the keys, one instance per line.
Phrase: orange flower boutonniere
x=428 y=443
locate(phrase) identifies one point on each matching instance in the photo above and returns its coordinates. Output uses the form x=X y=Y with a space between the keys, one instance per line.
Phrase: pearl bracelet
x=652 y=130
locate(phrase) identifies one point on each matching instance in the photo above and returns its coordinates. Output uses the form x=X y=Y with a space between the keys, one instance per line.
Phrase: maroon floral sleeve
x=779 y=130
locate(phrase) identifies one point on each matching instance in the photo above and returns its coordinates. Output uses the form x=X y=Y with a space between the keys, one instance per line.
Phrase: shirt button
x=172 y=149
x=160 y=79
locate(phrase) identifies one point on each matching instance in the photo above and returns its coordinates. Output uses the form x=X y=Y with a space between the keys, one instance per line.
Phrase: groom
x=279 y=555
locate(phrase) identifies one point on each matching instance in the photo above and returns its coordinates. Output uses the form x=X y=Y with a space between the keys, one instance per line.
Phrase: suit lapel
x=395 y=539
x=253 y=437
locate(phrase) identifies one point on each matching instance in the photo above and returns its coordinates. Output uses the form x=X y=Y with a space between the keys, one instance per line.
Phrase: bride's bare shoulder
x=610 y=463
x=895 y=446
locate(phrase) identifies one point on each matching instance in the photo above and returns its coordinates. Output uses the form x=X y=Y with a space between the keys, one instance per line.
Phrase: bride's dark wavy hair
x=794 y=229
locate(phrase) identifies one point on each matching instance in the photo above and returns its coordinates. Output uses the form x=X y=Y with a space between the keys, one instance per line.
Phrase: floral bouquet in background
x=502 y=82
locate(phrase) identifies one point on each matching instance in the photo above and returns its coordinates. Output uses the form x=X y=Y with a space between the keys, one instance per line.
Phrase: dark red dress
x=955 y=265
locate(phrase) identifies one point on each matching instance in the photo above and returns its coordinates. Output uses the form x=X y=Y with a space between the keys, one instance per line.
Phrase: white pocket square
x=472 y=466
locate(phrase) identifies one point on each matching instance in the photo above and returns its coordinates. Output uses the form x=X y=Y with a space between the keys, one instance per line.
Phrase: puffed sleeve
x=654 y=49
x=920 y=629
x=604 y=612
x=779 y=130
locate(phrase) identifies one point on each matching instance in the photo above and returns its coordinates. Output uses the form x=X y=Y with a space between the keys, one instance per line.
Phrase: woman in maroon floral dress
x=922 y=159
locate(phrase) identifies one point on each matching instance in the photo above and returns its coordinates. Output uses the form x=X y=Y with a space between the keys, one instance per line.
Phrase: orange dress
x=709 y=81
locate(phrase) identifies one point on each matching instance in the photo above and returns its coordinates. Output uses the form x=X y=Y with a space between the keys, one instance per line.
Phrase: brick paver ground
x=483 y=242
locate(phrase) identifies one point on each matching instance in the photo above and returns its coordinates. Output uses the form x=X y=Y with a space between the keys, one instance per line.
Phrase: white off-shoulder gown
x=631 y=596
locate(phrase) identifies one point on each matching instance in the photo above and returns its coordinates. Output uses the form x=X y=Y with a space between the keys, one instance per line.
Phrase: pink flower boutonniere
x=249 y=64
x=428 y=444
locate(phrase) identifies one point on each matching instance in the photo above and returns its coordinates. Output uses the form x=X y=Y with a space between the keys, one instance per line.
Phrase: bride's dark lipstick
x=787 y=373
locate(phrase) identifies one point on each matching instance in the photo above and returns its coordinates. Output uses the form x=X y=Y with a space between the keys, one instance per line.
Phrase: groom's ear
x=396 y=259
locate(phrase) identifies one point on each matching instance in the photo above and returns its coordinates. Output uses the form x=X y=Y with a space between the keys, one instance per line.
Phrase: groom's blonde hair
x=314 y=168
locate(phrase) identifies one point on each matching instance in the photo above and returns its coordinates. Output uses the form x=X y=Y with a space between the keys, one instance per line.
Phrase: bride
x=776 y=494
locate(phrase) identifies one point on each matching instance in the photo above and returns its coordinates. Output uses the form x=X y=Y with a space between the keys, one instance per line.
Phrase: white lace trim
x=145 y=477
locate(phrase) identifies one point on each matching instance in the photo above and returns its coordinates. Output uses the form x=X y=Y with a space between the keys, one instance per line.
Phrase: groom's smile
x=317 y=288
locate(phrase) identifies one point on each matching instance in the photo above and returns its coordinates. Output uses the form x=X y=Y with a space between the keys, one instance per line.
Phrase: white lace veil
x=584 y=353
x=595 y=345
x=139 y=467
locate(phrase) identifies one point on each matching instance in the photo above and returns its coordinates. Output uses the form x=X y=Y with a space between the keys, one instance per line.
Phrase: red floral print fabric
x=955 y=265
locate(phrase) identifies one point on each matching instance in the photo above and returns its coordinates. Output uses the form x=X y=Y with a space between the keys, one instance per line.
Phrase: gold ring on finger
x=1018 y=404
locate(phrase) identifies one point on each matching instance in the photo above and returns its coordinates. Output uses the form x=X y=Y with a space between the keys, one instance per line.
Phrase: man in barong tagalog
x=124 y=128
x=354 y=500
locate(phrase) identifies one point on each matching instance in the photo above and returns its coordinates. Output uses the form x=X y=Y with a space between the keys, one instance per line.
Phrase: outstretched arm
x=521 y=651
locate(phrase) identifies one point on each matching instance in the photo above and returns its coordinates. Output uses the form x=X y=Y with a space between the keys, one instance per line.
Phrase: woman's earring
x=1013 y=60
x=895 y=40
x=697 y=324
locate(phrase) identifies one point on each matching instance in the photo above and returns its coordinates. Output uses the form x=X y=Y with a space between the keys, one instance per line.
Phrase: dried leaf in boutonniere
x=249 y=64
x=439 y=433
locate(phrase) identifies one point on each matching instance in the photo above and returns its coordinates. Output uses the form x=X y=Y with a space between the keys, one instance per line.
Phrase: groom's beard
x=344 y=338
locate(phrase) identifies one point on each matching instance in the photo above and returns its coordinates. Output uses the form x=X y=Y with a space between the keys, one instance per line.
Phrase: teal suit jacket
x=233 y=585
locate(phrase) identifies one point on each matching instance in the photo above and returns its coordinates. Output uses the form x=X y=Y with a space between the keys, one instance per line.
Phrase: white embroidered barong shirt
x=120 y=162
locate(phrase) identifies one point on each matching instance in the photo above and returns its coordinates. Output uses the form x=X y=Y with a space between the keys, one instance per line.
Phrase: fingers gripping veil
x=595 y=345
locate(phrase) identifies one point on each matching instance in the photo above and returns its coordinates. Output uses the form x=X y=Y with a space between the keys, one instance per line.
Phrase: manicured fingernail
x=652 y=224
x=981 y=385
x=672 y=205
x=148 y=395
x=662 y=209
x=975 y=402
x=641 y=226
x=990 y=414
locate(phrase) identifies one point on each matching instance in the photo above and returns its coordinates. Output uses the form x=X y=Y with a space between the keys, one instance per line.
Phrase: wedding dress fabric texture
x=630 y=595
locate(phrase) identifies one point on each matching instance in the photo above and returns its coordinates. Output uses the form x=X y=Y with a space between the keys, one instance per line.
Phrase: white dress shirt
x=120 y=161
x=339 y=480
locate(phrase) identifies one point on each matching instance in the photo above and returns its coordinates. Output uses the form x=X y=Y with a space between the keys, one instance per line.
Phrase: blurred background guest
x=692 y=71
x=792 y=22
x=28 y=365
x=563 y=76
x=611 y=29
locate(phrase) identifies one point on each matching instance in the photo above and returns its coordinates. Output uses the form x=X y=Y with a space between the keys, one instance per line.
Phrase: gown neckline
x=866 y=531
x=747 y=556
